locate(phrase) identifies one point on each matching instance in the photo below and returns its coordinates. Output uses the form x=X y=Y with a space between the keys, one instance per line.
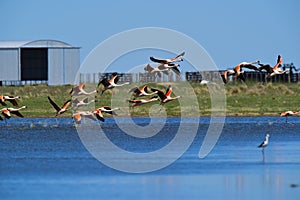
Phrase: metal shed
x=50 y=61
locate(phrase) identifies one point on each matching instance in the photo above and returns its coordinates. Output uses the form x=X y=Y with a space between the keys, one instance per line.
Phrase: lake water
x=45 y=159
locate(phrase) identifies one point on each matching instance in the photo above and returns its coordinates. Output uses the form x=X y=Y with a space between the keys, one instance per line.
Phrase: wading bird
x=138 y=102
x=59 y=110
x=79 y=90
x=288 y=113
x=178 y=58
x=141 y=91
x=272 y=71
x=238 y=72
x=11 y=99
x=110 y=84
x=165 y=97
x=83 y=114
x=76 y=103
x=263 y=145
x=6 y=112
x=105 y=109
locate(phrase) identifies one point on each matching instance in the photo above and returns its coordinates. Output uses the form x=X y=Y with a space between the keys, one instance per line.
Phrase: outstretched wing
x=158 y=60
x=57 y=108
x=17 y=113
x=159 y=93
x=104 y=82
x=266 y=67
x=176 y=70
x=169 y=91
x=12 y=101
x=249 y=66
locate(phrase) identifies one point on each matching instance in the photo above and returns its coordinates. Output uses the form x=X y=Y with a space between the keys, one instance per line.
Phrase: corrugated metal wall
x=9 y=64
x=72 y=64
x=63 y=66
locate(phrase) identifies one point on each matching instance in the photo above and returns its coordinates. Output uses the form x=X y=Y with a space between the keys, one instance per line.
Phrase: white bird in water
x=263 y=145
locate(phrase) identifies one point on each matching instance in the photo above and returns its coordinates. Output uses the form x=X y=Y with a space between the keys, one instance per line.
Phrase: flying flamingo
x=165 y=97
x=141 y=91
x=59 y=110
x=105 y=109
x=112 y=83
x=263 y=145
x=83 y=102
x=79 y=90
x=6 y=112
x=272 y=71
x=289 y=113
x=11 y=99
x=238 y=71
x=138 y=102
x=157 y=70
x=178 y=58
x=79 y=115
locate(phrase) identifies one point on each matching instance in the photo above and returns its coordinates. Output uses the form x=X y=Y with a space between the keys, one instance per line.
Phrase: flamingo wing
x=159 y=93
x=55 y=106
x=104 y=82
x=66 y=104
x=180 y=56
x=249 y=66
x=266 y=67
x=17 y=113
x=169 y=91
x=158 y=60
x=12 y=100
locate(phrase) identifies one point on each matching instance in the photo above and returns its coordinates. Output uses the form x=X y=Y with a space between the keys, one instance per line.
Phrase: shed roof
x=35 y=44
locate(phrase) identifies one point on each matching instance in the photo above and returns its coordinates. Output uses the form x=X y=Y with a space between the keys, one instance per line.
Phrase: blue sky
x=231 y=31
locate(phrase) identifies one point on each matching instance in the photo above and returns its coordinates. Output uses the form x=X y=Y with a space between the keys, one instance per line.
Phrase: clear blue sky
x=231 y=31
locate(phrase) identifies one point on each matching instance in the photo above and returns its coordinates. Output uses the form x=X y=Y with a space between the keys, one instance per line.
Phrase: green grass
x=243 y=99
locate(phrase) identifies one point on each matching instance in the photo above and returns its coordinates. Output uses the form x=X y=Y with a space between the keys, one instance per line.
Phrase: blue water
x=46 y=159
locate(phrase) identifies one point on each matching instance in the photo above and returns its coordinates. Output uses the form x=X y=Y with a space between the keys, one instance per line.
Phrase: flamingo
x=106 y=109
x=59 y=110
x=139 y=102
x=225 y=75
x=11 y=99
x=6 y=112
x=112 y=83
x=157 y=70
x=178 y=58
x=79 y=90
x=272 y=71
x=288 y=113
x=141 y=91
x=78 y=116
x=238 y=71
x=165 y=97
x=83 y=102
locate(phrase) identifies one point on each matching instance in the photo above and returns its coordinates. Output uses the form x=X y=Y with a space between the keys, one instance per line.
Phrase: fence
x=172 y=77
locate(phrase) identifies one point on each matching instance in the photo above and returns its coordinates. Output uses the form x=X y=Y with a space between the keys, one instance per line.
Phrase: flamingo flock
x=238 y=73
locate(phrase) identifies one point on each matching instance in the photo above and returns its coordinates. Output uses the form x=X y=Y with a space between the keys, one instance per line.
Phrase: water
x=45 y=159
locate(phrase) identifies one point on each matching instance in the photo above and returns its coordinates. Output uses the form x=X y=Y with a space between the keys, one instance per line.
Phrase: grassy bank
x=246 y=99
